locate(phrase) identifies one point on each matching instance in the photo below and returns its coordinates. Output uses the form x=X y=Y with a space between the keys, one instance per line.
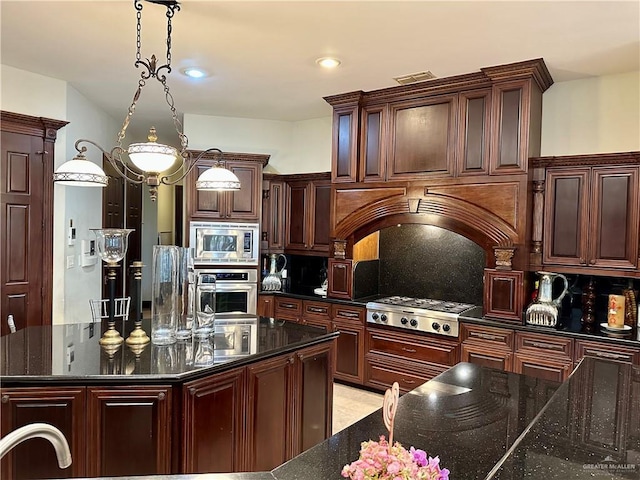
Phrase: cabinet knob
x=5 y=398
x=291 y=360
x=161 y=396
x=192 y=390
x=582 y=261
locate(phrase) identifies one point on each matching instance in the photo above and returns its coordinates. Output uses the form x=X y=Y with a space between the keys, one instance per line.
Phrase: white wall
x=595 y=115
x=295 y=147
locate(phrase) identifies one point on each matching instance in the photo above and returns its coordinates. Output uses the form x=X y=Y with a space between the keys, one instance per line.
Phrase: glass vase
x=166 y=301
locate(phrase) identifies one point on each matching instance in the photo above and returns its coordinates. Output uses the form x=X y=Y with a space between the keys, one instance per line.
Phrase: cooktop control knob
x=446 y=327
x=383 y=317
x=414 y=322
x=435 y=326
x=404 y=320
x=375 y=316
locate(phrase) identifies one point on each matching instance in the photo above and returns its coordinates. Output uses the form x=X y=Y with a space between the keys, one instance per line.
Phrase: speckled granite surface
x=487 y=424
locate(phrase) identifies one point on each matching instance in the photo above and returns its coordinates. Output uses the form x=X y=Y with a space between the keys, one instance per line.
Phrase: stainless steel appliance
x=419 y=314
x=221 y=243
x=235 y=291
x=235 y=337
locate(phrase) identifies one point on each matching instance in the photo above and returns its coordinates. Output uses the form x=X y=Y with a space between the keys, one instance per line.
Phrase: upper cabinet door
x=474 y=132
x=422 y=137
x=296 y=237
x=566 y=216
x=373 y=147
x=614 y=217
x=344 y=154
x=510 y=135
x=245 y=203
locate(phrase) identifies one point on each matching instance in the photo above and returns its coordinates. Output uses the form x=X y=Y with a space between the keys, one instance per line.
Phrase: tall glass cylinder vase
x=187 y=285
x=166 y=301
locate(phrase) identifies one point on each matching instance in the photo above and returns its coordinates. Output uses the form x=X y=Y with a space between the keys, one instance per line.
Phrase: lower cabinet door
x=314 y=416
x=548 y=368
x=213 y=425
x=129 y=429
x=350 y=352
x=500 y=359
x=36 y=458
x=269 y=413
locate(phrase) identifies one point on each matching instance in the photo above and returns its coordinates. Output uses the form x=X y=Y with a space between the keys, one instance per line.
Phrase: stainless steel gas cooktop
x=420 y=314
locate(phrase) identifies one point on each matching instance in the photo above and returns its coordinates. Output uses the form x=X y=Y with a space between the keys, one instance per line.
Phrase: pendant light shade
x=81 y=172
x=152 y=156
x=217 y=178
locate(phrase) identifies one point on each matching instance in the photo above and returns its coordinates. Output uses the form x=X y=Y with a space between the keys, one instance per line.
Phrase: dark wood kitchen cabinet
x=243 y=205
x=93 y=420
x=344 y=166
x=288 y=400
x=212 y=436
x=409 y=359
x=543 y=356
x=487 y=346
x=317 y=314
x=144 y=413
x=340 y=278
x=307 y=213
x=266 y=306
x=607 y=351
x=273 y=214
x=63 y=408
x=349 y=321
x=516 y=118
x=422 y=137
x=591 y=215
x=287 y=308
x=474 y=132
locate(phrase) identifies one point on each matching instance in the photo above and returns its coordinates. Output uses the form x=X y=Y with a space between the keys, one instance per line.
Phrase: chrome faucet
x=42 y=430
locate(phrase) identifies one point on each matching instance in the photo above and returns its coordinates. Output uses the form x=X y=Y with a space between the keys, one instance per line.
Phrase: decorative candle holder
x=138 y=337
x=111 y=245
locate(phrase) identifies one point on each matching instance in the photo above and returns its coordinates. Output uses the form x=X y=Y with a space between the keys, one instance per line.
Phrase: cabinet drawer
x=607 y=351
x=418 y=348
x=322 y=309
x=344 y=312
x=544 y=345
x=288 y=308
x=488 y=356
x=380 y=373
x=479 y=334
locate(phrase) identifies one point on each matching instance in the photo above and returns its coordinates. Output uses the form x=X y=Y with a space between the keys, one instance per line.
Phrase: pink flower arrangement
x=379 y=461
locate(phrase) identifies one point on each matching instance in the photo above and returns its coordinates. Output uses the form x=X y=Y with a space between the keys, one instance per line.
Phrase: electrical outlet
x=71 y=261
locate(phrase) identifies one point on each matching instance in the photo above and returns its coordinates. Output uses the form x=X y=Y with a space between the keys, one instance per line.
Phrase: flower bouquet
x=384 y=460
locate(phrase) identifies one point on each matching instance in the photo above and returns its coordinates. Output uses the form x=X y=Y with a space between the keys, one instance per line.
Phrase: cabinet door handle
x=5 y=398
x=340 y=265
x=408 y=382
x=409 y=350
x=342 y=313
x=317 y=309
x=486 y=336
x=287 y=305
x=548 y=346
x=614 y=356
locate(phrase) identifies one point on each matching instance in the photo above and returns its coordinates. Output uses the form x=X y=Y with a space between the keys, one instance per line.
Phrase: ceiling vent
x=414 y=77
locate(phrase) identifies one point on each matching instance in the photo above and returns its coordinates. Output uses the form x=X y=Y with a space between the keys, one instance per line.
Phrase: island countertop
x=70 y=353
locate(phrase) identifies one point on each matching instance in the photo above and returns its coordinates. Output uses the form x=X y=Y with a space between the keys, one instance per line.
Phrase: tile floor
x=351 y=404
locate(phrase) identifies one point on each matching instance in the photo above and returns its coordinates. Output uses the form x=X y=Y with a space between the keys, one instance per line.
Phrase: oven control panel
x=428 y=322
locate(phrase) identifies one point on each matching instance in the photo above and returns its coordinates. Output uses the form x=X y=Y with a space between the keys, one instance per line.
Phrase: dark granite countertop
x=474 y=315
x=70 y=353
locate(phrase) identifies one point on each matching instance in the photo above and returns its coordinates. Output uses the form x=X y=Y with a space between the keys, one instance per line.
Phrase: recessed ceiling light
x=194 y=72
x=328 y=62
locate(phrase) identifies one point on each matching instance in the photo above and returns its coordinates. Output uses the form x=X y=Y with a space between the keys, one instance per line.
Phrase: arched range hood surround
x=486 y=213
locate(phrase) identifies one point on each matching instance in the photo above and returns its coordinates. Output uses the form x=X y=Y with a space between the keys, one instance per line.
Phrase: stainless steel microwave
x=221 y=243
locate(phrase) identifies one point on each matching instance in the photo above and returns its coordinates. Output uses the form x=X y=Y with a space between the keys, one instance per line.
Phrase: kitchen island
x=488 y=424
x=182 y=408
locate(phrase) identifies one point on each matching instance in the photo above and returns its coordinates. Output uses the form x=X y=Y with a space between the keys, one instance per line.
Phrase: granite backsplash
x=423 y=261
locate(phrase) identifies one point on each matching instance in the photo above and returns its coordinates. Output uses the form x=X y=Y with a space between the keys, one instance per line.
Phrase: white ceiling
x=262 y=54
